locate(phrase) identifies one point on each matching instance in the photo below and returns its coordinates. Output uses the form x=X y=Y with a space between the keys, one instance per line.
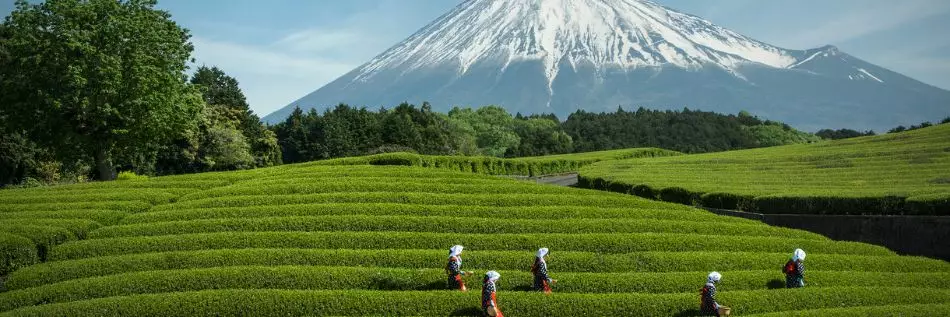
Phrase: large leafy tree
x=105 y=76
x=222 y=94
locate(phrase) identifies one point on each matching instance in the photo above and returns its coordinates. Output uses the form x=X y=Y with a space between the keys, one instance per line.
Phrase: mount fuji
x=558 y=56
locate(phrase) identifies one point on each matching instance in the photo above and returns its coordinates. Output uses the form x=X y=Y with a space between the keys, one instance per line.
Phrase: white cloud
x=270 y=76
x=295 y=62
x=866 y=20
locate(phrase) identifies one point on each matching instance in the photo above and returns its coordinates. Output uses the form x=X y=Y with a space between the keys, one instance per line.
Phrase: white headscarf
x=541 y=253
x=492 y=276
x=714 y=277
x=455 y=251
x=798 y=255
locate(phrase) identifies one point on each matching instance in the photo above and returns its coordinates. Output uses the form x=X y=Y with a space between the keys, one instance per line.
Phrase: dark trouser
x=792 y=281
x=708 y=310
x=541 y=284
x=455 y=282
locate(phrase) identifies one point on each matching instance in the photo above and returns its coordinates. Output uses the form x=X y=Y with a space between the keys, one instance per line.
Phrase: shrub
x=392 y=209
x=572 y=198
x=127 y=206
x=799 y=204
x=678 y=195
x=129 y=176
x=145 y=195
x=604 y=243
x=44 y=237
x=934 y=204
x=355 y=186
x=727 y=201
x=434 y=224
x=358 y=278
x=105 y=217
x=918 y=310
x=78 y=227
x=15 y=252
x=867 y=175
x=348 y=302
x=565 y=261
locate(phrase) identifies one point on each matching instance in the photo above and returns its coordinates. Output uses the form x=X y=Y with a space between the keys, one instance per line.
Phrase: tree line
x=492 y=131
x=838 y=134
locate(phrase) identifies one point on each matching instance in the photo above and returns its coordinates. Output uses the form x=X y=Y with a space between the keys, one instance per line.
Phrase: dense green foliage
x=491 y=131
x=349 y=131
x=15 y=252
x=357 y=239
x=842 y=134
x=526 y=166
x=95 y=81
x=687 y=131
x=897 y=173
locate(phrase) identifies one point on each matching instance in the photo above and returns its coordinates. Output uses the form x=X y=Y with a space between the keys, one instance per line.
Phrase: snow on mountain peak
x=619 y=33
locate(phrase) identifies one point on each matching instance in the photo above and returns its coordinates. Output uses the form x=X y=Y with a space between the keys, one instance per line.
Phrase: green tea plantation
x=348 y=240
x=898 y=173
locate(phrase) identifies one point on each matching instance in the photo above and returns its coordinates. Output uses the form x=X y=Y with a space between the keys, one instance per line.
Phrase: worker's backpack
x=789 y=267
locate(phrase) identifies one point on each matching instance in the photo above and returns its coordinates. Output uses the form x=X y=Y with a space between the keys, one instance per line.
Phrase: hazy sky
x=280 y=50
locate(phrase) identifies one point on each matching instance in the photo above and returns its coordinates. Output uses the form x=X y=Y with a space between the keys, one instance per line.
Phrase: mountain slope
x=562 y=55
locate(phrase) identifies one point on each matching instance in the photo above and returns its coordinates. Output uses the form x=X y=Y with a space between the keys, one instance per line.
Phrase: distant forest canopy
x=84 y=98
x=492 y=131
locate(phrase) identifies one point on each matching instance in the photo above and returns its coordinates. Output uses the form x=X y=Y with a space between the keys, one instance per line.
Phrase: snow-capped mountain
x=557 y=56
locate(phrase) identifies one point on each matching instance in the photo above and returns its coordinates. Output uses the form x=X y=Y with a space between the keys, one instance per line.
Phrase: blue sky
x=280 y=50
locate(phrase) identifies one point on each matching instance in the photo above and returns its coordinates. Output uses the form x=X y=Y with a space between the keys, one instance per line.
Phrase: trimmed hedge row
x=354 y=303
x=105 y=217
x=80 y=228
x=302 y=172
x=885 y=175
x=391 y=209
x=15 y=252
x=152 y=183
x=341 y=278
x=605 y=243
x=127 y=206
x=533 y=166
x=571 y=198
x=917 y=310
x=936 y=204
x=150 y=196
x=436 y=224
x=401 y=186
x=44 y=237
x=559 y=261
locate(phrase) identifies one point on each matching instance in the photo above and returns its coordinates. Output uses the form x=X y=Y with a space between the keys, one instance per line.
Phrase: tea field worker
x=708 y=305
x=542 y=282
x=454 y=269
x=489 y=299
x=795 y=270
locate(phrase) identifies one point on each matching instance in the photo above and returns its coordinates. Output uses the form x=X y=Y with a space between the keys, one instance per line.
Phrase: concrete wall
x=907 y=235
